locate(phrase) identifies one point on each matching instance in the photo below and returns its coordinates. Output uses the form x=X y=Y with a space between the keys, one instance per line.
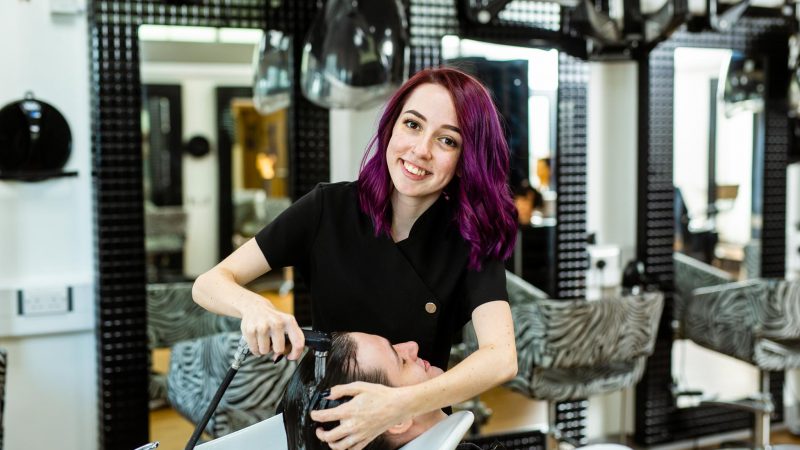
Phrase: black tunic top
x=418 y=289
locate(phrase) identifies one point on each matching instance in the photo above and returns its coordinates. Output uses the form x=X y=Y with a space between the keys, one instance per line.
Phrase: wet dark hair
x=341 y=368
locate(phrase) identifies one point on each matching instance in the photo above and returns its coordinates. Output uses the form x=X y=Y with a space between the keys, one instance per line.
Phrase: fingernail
x=278 y=359
x=326 y=393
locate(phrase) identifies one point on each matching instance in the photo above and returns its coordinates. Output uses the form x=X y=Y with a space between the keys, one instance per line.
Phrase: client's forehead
x=373 y=351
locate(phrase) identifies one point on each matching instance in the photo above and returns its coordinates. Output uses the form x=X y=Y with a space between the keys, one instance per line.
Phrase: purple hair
x=484 y=208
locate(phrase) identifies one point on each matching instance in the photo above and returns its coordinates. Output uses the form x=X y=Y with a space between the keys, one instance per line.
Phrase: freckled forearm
x=481 y=371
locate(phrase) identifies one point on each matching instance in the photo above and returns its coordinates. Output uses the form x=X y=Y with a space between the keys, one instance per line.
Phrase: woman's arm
x=367 y=416
x=221 y=290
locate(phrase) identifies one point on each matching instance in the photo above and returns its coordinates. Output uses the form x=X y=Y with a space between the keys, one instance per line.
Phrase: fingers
x=264 y=343
x=278 y=341
x=265 y=334
x=348 y=390
x=252 y=341
x=328 y=415
x=334 y=436
x=296 y=337
x=339 y=439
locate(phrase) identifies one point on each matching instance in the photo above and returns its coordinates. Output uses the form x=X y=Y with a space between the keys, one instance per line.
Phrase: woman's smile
x=413 y=171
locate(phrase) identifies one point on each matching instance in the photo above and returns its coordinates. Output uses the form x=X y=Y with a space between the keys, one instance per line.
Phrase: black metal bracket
x=39 y=175
x=587 y=29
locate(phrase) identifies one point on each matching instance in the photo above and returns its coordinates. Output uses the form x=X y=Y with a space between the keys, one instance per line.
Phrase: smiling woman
x=411 y=251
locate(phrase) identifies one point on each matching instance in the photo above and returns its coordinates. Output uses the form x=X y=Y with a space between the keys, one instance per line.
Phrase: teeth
x=414 y=169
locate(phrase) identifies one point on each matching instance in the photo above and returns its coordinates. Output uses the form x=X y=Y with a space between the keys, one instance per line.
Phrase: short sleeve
x=287 y=240
x=485 y=285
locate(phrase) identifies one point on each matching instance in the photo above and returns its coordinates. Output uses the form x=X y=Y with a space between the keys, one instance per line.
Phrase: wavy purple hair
x=484 y=209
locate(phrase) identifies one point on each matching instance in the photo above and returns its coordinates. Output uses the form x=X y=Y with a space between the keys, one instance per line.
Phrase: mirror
x=716 y=134
x=523 y=82
x=215 y=171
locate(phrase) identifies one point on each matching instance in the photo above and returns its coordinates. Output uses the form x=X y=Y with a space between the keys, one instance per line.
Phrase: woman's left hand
x=371 y=411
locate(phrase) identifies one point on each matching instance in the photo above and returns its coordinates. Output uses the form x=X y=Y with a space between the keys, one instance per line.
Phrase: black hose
x=211 y=408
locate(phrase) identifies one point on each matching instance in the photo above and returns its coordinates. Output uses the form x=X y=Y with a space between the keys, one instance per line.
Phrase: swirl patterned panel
x=197 y=368
x=757 y=321
x=569 y=349
x=172 y=316
x=691 y=274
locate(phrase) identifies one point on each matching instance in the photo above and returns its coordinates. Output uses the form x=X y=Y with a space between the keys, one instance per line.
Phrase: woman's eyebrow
x=449 y=127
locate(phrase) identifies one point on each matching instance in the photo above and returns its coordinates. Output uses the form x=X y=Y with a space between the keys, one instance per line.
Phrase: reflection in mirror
x=717 y=110
x=523 y=83
x=215 y=171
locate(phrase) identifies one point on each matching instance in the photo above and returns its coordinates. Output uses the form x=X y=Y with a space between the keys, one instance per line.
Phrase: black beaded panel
x=117 y=161
x=657 y=418
x=570 y=177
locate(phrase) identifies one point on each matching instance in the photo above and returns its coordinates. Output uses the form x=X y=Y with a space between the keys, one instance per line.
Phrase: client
x=357 y=357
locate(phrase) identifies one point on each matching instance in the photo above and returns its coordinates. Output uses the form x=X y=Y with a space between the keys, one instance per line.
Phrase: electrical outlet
x=44 y=301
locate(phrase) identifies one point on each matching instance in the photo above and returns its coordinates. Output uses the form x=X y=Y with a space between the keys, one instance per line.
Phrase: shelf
x=39 y=175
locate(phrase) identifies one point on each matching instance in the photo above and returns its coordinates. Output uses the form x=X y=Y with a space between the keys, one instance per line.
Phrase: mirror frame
x=120 y=296
x=658 y=420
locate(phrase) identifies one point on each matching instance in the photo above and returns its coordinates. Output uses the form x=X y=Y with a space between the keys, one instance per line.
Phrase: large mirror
x=215 y=171
x=524 y=83
x=716 y=133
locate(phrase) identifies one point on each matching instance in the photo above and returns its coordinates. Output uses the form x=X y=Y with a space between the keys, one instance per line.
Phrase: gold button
x=430 y=307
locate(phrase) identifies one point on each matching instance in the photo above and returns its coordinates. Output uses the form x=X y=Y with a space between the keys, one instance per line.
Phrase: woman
x=411 y=251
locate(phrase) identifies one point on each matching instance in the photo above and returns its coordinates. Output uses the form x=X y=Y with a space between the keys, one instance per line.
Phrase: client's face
x=399 y=362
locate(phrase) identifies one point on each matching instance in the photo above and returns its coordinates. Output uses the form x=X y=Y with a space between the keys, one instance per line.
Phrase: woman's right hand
x=265 y=329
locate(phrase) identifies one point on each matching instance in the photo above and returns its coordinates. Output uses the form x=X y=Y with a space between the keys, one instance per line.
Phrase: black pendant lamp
x=355 y=54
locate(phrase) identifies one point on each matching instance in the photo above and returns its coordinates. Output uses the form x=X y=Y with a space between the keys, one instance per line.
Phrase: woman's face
x=426 y=143
x=400 y=362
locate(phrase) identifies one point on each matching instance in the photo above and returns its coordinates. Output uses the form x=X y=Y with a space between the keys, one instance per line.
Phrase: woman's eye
x=411 y=124
x=449 y=142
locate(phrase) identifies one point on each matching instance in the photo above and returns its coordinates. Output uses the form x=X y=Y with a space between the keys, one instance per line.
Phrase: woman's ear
x=401 y=427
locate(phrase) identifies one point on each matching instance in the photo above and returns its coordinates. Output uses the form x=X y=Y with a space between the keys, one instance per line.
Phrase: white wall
x=46 y=232
x=612 y=155
x=350 y=133
x=793 y=221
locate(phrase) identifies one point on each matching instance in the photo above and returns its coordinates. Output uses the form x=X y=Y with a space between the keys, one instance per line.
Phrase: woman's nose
x=423 y=148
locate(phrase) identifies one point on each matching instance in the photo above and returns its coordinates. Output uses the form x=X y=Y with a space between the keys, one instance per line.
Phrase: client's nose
x=408 y=349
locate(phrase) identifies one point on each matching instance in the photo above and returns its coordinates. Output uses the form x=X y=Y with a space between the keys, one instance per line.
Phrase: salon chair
x=2 y=391
x=165 y=235
x=172 y=317
x=691 y=274
x=197 y=368
x=756 y=321
x=270 y=434
x=573 y=349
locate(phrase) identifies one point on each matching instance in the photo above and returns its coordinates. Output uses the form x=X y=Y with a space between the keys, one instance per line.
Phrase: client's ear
x=401 y=427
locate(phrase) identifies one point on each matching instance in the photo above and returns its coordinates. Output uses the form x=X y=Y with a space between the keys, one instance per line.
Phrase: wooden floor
x=512 y=411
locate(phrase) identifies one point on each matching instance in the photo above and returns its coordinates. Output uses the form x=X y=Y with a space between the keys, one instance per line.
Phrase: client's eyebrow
x=396 y=356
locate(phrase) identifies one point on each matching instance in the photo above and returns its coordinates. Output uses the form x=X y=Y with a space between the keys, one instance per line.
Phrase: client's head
x=355 y=357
